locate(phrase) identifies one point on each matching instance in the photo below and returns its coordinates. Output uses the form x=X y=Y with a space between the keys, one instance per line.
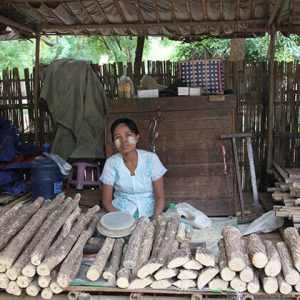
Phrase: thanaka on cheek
x=132 y=140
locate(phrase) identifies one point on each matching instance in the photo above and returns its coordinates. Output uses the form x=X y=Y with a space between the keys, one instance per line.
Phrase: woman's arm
x=158 y=186
x=107 y=195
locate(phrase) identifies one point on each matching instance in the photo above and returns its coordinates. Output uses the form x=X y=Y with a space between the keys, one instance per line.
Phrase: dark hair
x=128 y=122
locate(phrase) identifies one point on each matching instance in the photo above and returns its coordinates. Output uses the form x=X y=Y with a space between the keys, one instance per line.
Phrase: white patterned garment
x=133 y=194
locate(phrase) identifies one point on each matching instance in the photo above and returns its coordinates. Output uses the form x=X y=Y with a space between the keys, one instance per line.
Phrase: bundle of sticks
x=42 y=243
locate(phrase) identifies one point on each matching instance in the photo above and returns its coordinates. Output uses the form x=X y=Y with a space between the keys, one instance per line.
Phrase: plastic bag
x=267 y=222
x=65 y=168
x=125 y=86
x=193 y=216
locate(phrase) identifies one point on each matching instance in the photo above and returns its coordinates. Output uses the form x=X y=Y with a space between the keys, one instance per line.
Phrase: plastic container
x=46 y=178
x=171 y=211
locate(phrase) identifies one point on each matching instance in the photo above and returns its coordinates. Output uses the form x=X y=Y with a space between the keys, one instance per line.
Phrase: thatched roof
x=177 y=19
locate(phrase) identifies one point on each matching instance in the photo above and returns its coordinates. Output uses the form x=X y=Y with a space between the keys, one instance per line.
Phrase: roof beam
x=275 y=11
x=12 y=23
x=152 y=24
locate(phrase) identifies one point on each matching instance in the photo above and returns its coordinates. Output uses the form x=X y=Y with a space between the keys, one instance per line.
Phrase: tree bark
x=8 y=231
x=226 y=273
x=33 y=289
x=134 y=244
x=290 y=274
x=64 y=248
x=65 y=229
x=70 y=267
x=237 y=284
x=185 y=284
x=145 y=249
x=218 y=283
x=257 y=251
x=254 y=286
x=40 y=250
x=205 y=257
x=160 y=230
x=283 y=286
x=247 y=273
x=273 y=266
x=292 y=240
x=233 y=246
x=24 y=258
x=98 y=265
x=116 y=256
x=10 y=214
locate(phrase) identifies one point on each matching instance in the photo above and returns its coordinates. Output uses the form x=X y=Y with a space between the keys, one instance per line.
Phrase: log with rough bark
x=23 y=281
x=165 y=273
x=257 y=251
x=42 y=247
x=253 y=287
x=29 y=270
x=70 y=267
x=114 y=265
x=225 y=272
x=205 y=257
x=10 y=214
x=24 y=199
x=185 y=284
x=269 y=284
x=66 y=228
x=33 y=289
x=123 y=274
x=160 y=230
x=17 y=243
x=140 y=283
x=24 y=258
x=134 y=244
x=54 y=286
x=187 y=274
x=292 y=240
x=283 y=286
x=233 y=246
x=167 y=242
x=237 y=284
x=3 y=281
x=98 y=265
x=145 y=249
x=8 y=231
x=64 y=248
x=247 y=273
x=290 y=274
x=218 y=283
x=273 y=266
x=13 y=289
x=93 y=245
x=161 y=284
x=46 y=293
x=182 y=255
x=44 y=281
x=180 y=235
x=193 y=264
x=206 y=275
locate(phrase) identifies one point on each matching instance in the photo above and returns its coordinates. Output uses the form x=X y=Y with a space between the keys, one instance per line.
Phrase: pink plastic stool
x=87 y=174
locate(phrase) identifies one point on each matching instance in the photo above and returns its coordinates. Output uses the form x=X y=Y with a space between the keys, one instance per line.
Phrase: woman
x=132 y=178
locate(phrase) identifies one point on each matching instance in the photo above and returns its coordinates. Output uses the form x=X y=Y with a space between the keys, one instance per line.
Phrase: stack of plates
x=116 y=224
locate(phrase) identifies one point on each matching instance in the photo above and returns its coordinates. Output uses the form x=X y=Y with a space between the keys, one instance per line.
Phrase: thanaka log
x=218 y=283
x=140 y=283
x=206 y=275
x=270 y=284
x=292 y=240
x=225 y=272
x=237 y=284
x=162 y=284
x=253 y=287
x=165 y=273
x=247 y=273
x=273 y=266
x=205 y=257
x=283 y=286
x=185 y=284
x=33 y=289
x=257 y=251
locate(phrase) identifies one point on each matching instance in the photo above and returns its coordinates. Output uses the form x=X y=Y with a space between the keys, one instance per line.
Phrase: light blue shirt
x=133 y=194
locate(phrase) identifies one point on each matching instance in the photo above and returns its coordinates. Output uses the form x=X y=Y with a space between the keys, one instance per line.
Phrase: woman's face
x=124 y=139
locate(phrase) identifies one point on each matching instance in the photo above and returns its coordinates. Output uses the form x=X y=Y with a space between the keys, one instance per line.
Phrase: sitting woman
x=132 y=178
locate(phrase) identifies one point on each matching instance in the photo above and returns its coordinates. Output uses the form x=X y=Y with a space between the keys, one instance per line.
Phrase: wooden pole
x=36 y=84
x=271 y=101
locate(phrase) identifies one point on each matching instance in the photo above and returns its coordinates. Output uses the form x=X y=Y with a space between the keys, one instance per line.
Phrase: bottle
x=171 y=211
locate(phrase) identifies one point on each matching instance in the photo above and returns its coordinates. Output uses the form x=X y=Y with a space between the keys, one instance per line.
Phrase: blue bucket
x=46 y=178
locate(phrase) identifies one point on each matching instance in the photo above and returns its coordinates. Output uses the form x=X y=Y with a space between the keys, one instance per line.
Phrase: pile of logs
x=42 y=243
x=287 y=191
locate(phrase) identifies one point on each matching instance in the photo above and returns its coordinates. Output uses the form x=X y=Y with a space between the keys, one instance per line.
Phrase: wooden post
x=271 y=101
x=36 y=84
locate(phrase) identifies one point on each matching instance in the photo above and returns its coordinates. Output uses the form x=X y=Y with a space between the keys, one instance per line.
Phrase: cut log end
x=259 y=260
x=93 y=274
x=236 y=264
x=43 y=270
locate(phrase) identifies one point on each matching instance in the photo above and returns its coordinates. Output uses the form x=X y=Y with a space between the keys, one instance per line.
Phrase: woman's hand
x=158 y=186
x=107 y=195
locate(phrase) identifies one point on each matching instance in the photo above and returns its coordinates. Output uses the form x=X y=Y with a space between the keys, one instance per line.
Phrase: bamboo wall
x=249 y=81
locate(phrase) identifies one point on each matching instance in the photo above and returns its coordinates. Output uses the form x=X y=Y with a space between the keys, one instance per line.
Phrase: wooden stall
x=188 y=144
